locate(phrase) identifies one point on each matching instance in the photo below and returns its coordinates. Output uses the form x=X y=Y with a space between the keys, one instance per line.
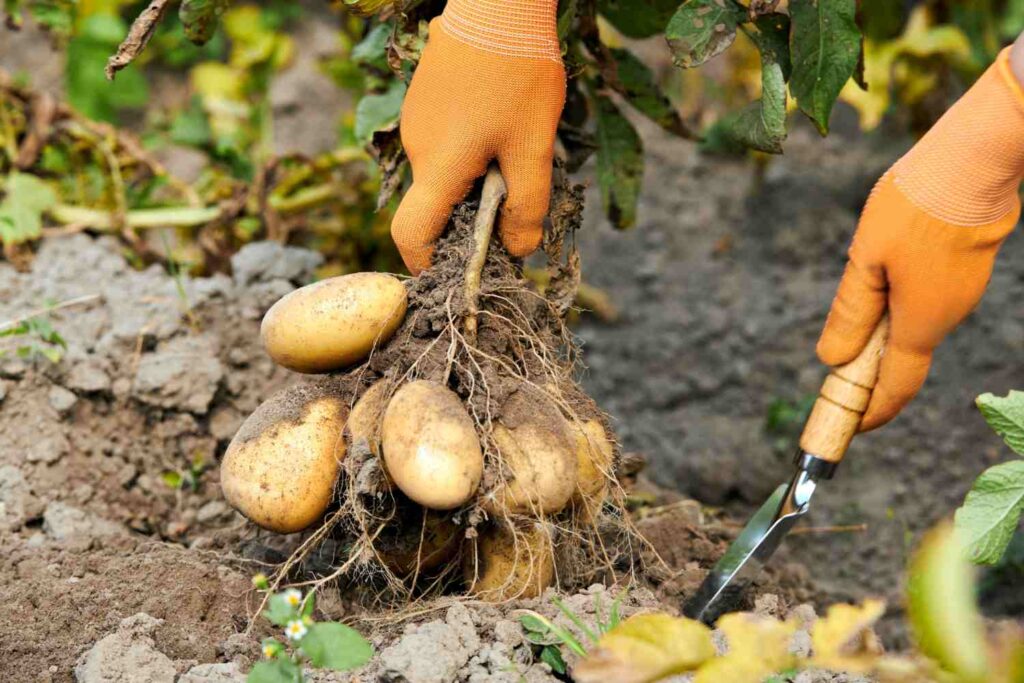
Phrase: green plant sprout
x=551 y=637
x=188 y=479
x=35 y=332
x=322 y=645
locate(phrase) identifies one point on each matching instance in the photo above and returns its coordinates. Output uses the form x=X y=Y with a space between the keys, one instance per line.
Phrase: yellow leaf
x=215 y=80
x=758 y=647
x=920 y=39
x=843 y=641
x=645 y=648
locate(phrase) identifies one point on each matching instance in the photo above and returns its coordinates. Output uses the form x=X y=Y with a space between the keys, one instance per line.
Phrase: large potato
x=538 y=457
x=282 y=465
x=333 y=323
x=431 y=450
x=507 y=562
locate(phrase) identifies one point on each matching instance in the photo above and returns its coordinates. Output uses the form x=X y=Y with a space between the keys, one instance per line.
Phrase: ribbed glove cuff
x=967 y=170
x=515 y=28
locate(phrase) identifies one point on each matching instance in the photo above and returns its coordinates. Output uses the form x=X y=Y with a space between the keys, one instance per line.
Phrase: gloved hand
x=490 y=85
x=928 y=237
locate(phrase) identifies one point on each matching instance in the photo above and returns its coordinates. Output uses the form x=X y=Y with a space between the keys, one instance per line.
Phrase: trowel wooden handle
x=842 y=400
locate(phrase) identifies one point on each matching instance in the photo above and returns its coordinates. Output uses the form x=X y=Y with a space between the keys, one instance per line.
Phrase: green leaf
x=372 y=49
x=638 y=18
x=375 y=112
x=552 y=656
x=941 y=606
x=1013 y=20
x=540 y=630
x=770 y=34
x=200 y=18
x=330 y=645
x=278 y=670
x=1006 y=416
x=825 y=46
x=278 y=610
x=761 y=125
x=881 y=19
x=88 y=89
x=702 y=29
x=991 y=511
x=309 y=605
x=639 y=88
x=21 y=211
x=191 y=126
x=620 y=164
x=56 y=16
x=566 y=15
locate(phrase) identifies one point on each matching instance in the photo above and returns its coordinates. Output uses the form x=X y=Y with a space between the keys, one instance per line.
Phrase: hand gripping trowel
x=833 y=422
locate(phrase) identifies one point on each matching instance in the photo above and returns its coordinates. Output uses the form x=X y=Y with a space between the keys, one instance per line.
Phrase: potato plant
x=991 y=512
x=444 y=442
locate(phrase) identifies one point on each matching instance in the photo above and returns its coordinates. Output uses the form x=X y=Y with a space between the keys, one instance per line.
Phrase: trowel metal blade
x=755 y=544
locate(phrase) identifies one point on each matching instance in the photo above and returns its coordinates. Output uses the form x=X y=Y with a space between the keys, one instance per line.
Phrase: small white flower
x=293 y=597
x=295 y=630
x=269 y=651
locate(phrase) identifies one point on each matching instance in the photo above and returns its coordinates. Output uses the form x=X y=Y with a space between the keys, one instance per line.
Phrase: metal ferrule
x=814 y=466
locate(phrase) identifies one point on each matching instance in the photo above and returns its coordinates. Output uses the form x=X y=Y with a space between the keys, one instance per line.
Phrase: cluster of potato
x=282 y=467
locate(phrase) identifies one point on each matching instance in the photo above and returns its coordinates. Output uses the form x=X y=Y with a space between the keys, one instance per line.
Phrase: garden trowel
x=834 y=420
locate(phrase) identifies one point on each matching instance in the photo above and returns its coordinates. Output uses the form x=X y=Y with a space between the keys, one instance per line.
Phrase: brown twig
x=43 y=110
x=138 y=37
x=491 y=196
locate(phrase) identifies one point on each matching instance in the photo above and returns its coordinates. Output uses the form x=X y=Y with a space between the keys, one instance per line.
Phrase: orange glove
x=928 y=238
x=490 y=85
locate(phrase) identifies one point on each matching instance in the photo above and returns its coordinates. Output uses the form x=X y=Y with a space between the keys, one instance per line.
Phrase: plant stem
x=491 y=196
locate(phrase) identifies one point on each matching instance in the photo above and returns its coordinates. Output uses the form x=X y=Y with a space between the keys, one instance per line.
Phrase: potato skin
x=282 y=478
x=539 y=457
x=365 y=418
x=506 y=562
x=334 y=323
x=594 y=456
x=430 y=446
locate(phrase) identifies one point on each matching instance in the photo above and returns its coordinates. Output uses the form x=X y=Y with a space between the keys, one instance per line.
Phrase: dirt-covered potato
x=281 y=467
x=365 y=418
x=594 y=456
x=430 y=446
x=537 y=455
x=333 y=323
x=507 y=562
x=419 y=543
